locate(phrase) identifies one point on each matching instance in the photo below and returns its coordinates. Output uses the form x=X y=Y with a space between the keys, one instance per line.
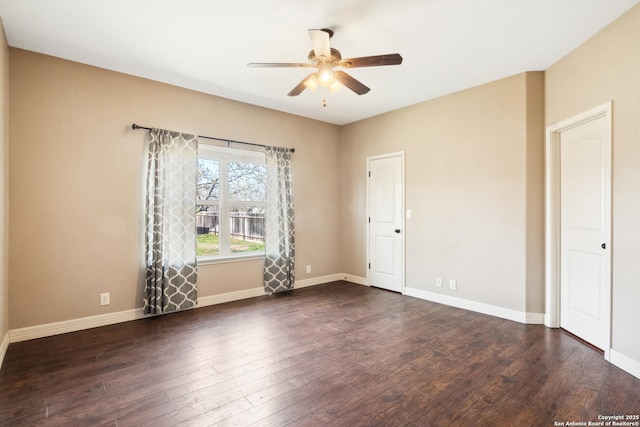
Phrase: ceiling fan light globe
x=326 y=77
x=312 y=83
x=335 y=86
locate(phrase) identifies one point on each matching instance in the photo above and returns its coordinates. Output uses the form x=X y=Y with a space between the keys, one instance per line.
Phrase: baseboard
x=230 y=296
x=355 y=279
x=3 y=348
x=73 y=325
x=625 y=363
x=304 y=283
x=492 y=310
x=534 y=318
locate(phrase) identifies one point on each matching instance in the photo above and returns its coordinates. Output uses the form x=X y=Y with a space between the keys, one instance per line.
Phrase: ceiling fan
x=325 y=59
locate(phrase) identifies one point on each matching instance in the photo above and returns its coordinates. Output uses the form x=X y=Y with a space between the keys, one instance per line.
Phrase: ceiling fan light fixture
x=335 y=86
x=312 y=83
x=326 y=77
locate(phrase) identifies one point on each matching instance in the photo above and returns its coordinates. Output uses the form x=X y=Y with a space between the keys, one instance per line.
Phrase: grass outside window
x=209 y=244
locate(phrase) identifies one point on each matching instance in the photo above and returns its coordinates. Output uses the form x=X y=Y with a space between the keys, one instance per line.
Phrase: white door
x=386 y=206
x=584 y=230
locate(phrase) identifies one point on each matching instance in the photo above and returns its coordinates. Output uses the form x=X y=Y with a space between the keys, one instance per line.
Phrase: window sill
x=230 y=258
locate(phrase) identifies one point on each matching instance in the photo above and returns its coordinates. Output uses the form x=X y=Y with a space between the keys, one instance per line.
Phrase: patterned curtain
x=171 y=222
x=279 y=264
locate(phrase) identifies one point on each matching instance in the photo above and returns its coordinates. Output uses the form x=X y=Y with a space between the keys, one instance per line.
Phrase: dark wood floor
x=336 y=354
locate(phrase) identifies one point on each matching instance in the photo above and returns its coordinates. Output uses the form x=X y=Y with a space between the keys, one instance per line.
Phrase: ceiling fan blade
x=350 y=82
x=300 y=86
x=372 y=61
x=320 y=43
x=276 y=65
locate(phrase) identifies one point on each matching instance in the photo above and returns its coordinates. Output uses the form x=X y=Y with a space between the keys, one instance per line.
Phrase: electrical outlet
x=439 y=282
x=105 y=299
x=453 y=285
x=308 y=268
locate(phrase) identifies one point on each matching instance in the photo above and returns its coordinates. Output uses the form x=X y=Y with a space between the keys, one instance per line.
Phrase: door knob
x=603 y=246
x=397 y=230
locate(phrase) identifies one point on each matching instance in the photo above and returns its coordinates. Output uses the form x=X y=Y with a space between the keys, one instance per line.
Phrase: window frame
x=224 y=156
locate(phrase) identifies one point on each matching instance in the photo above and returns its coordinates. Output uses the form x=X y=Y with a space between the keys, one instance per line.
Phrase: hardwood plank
x=334 y=354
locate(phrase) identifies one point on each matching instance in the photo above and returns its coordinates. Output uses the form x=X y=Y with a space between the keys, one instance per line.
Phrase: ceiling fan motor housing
x=335 y=59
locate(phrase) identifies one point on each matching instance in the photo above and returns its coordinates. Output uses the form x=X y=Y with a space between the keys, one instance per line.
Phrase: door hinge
x=369 y=266
x=369 y=174
x=369 y=220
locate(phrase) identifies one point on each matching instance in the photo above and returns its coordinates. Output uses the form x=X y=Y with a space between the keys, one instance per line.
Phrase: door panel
x=386 y=222
x=385 y=255
x=583 y=175
x=586 y=270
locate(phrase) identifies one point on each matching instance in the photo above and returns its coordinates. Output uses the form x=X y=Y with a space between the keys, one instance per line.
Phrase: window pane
x=208 y=179
x=246 y=182
x=247 y=228
x=208 y=228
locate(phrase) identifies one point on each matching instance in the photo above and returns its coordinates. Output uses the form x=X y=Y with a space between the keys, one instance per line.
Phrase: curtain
x=171 y=222
x=279 y=264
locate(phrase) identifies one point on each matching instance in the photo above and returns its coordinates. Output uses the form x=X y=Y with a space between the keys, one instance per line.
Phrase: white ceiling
x=447 y=45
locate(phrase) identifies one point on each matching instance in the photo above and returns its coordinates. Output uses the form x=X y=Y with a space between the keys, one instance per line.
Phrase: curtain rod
x=228 y=141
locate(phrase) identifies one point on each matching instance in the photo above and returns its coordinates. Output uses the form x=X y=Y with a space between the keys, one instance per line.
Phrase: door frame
x=400 y=154
x=552 y=215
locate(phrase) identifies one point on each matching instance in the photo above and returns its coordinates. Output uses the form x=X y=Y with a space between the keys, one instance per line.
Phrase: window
x=230 y=206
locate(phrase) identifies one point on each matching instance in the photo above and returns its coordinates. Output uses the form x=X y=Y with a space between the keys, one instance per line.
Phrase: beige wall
x=77 y=185
x=474 y=183
x=535 y=192
x=607 y=67
x=474 y=175
x=4 y=185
